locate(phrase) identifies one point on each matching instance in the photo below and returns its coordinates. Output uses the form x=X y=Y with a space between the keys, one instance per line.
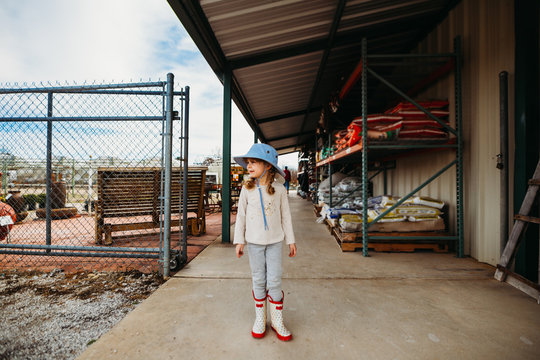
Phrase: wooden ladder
x=521 y=222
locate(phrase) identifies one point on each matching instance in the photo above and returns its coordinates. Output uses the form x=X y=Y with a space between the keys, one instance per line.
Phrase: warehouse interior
x=287 y=64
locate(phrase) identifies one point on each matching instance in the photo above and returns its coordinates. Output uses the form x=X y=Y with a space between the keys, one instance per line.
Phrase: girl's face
x=256 y=167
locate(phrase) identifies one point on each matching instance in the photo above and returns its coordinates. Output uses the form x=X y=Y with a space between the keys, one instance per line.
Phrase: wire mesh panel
x=83 y=174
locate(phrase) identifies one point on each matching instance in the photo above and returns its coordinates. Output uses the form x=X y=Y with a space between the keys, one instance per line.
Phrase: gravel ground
x=57 y=316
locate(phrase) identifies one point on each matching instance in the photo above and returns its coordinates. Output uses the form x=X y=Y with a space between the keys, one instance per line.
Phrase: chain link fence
x=79 y=162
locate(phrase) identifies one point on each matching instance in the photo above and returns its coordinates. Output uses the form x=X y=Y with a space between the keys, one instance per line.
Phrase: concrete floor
x=337 y=305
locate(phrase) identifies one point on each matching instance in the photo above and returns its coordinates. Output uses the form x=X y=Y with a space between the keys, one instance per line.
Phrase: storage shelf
x=388 y=150
x=379 y=152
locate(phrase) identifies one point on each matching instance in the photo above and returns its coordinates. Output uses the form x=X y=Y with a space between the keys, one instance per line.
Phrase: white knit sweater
x=250 y=222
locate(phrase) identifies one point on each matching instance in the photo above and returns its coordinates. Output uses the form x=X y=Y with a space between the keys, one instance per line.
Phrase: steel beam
x=324 y=59
x=226 y=169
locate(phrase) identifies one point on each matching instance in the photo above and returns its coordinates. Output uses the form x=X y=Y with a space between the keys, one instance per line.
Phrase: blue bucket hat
x=262 y=152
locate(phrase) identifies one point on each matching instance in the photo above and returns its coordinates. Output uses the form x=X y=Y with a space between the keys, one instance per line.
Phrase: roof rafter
x=292 y=136
x=341 y=39
x=287 y=115
x=322 y=66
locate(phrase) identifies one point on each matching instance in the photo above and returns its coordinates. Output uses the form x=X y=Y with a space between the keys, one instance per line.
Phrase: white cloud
x=113 y=41
x=116 y=41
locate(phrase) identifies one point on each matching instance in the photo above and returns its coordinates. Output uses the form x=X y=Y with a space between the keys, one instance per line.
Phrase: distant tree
x=215 y=158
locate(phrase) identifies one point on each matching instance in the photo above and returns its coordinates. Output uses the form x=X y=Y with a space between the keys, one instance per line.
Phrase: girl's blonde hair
x=269 y=176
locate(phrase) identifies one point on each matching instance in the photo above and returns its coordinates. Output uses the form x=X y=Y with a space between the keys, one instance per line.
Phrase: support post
x=385 y=180
x=330 y=171
x=502 y=164
x=459 y=135
x=185 y=169
x=168 y=168
x=316 y=174
x=226 y=170
x=364 y=151
x=48 y=201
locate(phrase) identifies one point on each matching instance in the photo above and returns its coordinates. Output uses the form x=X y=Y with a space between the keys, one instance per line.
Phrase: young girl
x=263 y=221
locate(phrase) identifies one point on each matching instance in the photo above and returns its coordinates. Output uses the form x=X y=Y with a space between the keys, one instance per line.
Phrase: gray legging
x=265 y=263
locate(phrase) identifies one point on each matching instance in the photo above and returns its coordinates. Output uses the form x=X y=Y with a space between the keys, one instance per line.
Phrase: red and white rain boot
x=276 y=317
x=259 y=327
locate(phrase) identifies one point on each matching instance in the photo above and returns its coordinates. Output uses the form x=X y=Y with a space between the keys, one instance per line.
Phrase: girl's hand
x=292 y=250
x=239 y=250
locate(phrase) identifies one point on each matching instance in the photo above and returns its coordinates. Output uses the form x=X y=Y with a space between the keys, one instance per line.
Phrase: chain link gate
x=79 y=162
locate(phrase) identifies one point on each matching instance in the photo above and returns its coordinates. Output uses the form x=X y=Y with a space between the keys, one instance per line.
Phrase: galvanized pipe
x=83 y=118
x=80 y=88
x=162 y=178
x=185 y=130
x=48 y=200
x=168 y=170
x=79 y=248
x=76 y=254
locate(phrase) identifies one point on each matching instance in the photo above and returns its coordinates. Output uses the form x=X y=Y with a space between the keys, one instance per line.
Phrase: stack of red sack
x=417 y=124
x=380 y=127
x=404 y=121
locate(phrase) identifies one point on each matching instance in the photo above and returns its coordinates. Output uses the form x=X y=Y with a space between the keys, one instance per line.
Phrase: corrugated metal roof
x=285 y=61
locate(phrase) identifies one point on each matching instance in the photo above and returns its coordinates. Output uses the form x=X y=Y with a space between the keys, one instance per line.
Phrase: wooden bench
x=136 y=192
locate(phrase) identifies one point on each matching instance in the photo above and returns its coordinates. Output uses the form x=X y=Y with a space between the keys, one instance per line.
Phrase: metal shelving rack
x=363 y=147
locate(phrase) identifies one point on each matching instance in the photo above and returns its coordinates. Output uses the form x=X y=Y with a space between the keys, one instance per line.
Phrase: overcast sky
x=116 y=41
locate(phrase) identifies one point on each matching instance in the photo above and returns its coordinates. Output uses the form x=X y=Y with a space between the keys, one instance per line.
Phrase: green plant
x=31 y=200
x=42 y=200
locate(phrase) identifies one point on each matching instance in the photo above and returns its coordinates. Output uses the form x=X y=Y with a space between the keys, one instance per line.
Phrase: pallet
x=353 y=241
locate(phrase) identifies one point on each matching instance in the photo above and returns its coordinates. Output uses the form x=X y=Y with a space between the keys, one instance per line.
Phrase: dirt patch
x=55 y=315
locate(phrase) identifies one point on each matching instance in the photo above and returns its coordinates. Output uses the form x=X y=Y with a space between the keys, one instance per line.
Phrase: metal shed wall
x=487 y=31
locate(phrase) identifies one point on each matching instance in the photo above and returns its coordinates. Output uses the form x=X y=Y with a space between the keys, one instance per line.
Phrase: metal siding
x=487 y=31
x=274 y=129
x=362 y=14
x=279 y=87
x=246 y=26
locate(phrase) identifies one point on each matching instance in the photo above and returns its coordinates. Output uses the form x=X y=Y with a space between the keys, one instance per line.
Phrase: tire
x=174 y=263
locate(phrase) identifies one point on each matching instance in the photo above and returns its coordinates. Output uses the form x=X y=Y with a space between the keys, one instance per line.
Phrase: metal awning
x=289 y=56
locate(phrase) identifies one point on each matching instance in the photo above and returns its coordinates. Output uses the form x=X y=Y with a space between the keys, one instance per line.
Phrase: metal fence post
x=48 y=201
x=168 y=167
x=185 y=176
